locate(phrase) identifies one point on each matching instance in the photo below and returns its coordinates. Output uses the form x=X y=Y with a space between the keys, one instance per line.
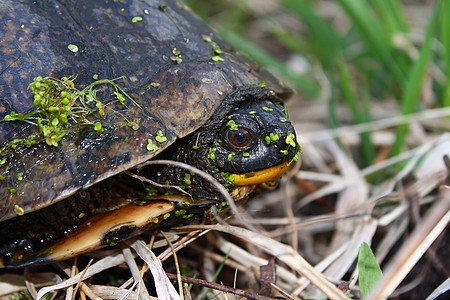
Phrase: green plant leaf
x=369 y=270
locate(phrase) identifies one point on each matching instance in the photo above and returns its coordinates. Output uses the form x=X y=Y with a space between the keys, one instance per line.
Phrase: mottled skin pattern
x=34 y=39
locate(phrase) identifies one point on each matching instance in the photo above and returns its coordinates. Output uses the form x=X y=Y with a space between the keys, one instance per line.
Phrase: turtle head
x=249 y=141
x=254 y=143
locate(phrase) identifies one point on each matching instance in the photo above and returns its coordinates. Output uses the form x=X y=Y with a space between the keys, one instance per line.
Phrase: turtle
x=92 y=90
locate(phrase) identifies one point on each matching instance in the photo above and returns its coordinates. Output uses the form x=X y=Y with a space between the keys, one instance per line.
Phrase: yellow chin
x=261 y=176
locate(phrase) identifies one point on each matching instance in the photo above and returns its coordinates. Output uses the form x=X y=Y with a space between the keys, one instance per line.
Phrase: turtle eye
x=240 y=138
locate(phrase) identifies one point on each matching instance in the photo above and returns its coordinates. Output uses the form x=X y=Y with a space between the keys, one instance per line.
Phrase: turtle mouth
x=266 y=179
x=263 y=176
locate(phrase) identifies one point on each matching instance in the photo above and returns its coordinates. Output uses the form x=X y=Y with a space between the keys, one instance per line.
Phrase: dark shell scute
x=186 y=91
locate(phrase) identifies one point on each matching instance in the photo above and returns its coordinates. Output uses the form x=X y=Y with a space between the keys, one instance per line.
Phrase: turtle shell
x=174 y=67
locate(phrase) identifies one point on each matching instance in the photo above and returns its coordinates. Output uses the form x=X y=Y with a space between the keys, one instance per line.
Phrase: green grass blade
x=367 y=146
x=369 y=270
x=347 y=90
x=399 y=14
x=323 y=40
x=360 y=114
x=412 y=88
x=333 y=103
x=219 y=270
x=291 y=41
x=267 y=60
x=445 y=40
x=392 y=15
x=371 y=32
